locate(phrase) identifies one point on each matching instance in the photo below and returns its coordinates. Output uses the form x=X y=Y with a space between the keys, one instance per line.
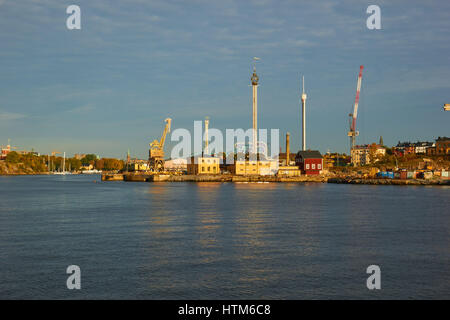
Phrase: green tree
x=13 y=157
x=88 y=159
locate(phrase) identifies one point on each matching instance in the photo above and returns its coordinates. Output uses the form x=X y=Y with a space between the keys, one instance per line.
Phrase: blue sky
x=109 y=86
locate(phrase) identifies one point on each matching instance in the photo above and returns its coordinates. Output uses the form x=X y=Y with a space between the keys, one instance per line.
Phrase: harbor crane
x=352 y=133
x=156 y=152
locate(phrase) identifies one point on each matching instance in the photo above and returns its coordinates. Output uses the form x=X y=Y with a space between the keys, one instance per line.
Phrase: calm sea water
x=221 y=240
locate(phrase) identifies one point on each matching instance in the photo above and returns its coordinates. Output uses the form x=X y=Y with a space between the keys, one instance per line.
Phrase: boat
x=63 y=172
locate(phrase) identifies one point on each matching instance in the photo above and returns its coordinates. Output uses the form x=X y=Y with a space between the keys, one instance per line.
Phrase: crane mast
x=352 y=132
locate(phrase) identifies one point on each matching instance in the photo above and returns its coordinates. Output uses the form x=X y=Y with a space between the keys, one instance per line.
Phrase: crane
x=352 y=132
x=156 y=152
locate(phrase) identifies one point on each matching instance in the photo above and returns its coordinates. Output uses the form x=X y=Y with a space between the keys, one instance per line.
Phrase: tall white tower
x=303 y=115
x=254 y=80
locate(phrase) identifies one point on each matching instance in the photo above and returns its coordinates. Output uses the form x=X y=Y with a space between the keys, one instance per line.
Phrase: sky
x=108 y=87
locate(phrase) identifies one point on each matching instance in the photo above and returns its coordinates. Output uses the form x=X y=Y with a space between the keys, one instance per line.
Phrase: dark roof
x=309 y=154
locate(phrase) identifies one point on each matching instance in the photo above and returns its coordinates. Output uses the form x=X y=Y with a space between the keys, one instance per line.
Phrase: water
x=221 y=240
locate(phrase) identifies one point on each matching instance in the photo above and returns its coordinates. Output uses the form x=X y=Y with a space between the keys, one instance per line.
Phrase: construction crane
x=156 y=152
x=353 y=133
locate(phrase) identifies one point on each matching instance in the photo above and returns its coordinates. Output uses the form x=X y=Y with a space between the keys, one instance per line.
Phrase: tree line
x=46 y=163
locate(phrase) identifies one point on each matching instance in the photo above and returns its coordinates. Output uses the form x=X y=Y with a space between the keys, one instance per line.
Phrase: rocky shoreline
x=397 y=182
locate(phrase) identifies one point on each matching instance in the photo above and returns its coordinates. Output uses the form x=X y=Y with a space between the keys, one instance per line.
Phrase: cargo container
x=411 y=175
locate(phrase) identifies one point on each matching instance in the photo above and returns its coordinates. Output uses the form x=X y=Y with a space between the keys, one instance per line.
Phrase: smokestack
x=206 y=135
x=288 y=148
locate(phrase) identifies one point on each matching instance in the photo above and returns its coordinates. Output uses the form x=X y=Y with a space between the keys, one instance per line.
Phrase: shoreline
x=108 y=177
x=267 y=179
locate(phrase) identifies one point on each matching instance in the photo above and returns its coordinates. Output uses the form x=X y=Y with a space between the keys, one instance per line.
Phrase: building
x=175 y=165
x=289 y=171
x=5 y=151
x=331 y=160
x=404 y=148
x=203 y=165
x=442 y=147
x=309 y=162
x=366 y=154
x=421 y=147
x=282 y=159
x=262 y=167
x=135 y=165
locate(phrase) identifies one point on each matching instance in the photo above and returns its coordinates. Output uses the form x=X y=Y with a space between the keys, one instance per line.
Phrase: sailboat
x=63 y=172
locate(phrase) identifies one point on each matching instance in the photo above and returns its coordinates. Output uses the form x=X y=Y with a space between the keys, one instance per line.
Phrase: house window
x=307 y=166
x=319 y=166
x=203 y=169
x=313 y=166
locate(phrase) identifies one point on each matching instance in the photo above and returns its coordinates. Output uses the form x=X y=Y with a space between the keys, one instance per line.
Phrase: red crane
x=352 y=132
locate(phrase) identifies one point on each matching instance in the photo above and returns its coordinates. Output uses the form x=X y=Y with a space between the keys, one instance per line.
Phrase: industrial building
x=203 y=165
x=260 y=167
x=310 y=162
x=175 y=165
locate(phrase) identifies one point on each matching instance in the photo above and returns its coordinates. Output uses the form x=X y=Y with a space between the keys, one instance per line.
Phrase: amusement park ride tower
x=255 y=80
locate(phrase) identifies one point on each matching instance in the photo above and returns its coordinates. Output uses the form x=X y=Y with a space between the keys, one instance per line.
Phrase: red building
x=5 y=152
x=309 y=162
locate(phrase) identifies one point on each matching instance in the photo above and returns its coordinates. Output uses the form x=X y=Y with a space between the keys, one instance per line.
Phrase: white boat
x=63 y=172
x=93 y=171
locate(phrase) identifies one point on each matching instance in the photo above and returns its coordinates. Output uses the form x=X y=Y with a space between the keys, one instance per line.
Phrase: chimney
x=288 y=148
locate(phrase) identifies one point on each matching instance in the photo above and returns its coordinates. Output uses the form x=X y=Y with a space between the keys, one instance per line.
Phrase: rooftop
x=310 y=154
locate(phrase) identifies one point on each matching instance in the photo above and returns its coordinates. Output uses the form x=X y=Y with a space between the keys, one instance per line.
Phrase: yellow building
x=137 y=165
x=203 y=165
x=289 y=171
x=254 y=167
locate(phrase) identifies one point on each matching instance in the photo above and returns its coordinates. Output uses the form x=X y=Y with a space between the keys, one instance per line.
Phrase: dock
x=130 y=177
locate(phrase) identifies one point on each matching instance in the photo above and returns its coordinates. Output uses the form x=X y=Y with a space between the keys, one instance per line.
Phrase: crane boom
x=352 y=132
x=166 y=130
x=358 y=89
